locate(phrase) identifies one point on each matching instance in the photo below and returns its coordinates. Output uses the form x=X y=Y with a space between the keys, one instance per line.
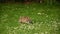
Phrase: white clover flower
x=42 y=33
x=30 y=27
x=46 y=32
x=15 y=27
x=39 y=13
x=47 y=16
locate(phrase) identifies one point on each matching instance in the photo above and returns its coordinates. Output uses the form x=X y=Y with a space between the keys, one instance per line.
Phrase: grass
x=46 y=19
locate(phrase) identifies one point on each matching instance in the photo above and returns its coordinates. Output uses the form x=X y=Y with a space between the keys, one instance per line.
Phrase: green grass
x=46 y=19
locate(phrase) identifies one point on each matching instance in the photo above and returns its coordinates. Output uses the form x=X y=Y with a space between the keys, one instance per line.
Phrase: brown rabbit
x=24 y=19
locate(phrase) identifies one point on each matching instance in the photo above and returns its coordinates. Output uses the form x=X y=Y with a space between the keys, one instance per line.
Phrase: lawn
x=45 y=18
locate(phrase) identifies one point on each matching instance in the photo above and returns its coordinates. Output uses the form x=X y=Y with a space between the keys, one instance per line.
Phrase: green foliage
x=45 y=19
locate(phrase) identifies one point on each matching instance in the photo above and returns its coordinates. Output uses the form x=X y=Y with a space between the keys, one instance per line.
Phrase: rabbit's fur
x=25 y=19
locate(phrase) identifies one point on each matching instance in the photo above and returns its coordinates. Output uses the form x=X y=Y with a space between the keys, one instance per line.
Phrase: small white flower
x=46 y=32
x=39 y=25
x=42 y=33
x=39 y=13
x=41 y=22
x=31 y=27
x=16 y=28
x=56 y=26
x=46 y=15
x=48 y=25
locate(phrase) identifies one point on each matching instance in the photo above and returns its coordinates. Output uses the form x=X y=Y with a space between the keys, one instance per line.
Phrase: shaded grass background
x=46 y=19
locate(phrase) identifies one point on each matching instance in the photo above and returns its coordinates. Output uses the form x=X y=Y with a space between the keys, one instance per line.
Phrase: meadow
x=45 y=18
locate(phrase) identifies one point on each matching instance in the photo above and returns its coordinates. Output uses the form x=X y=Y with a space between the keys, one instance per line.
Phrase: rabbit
x=25 y=19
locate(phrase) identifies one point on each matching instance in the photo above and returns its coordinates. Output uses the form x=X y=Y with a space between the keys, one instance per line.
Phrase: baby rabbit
x=25 y=19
